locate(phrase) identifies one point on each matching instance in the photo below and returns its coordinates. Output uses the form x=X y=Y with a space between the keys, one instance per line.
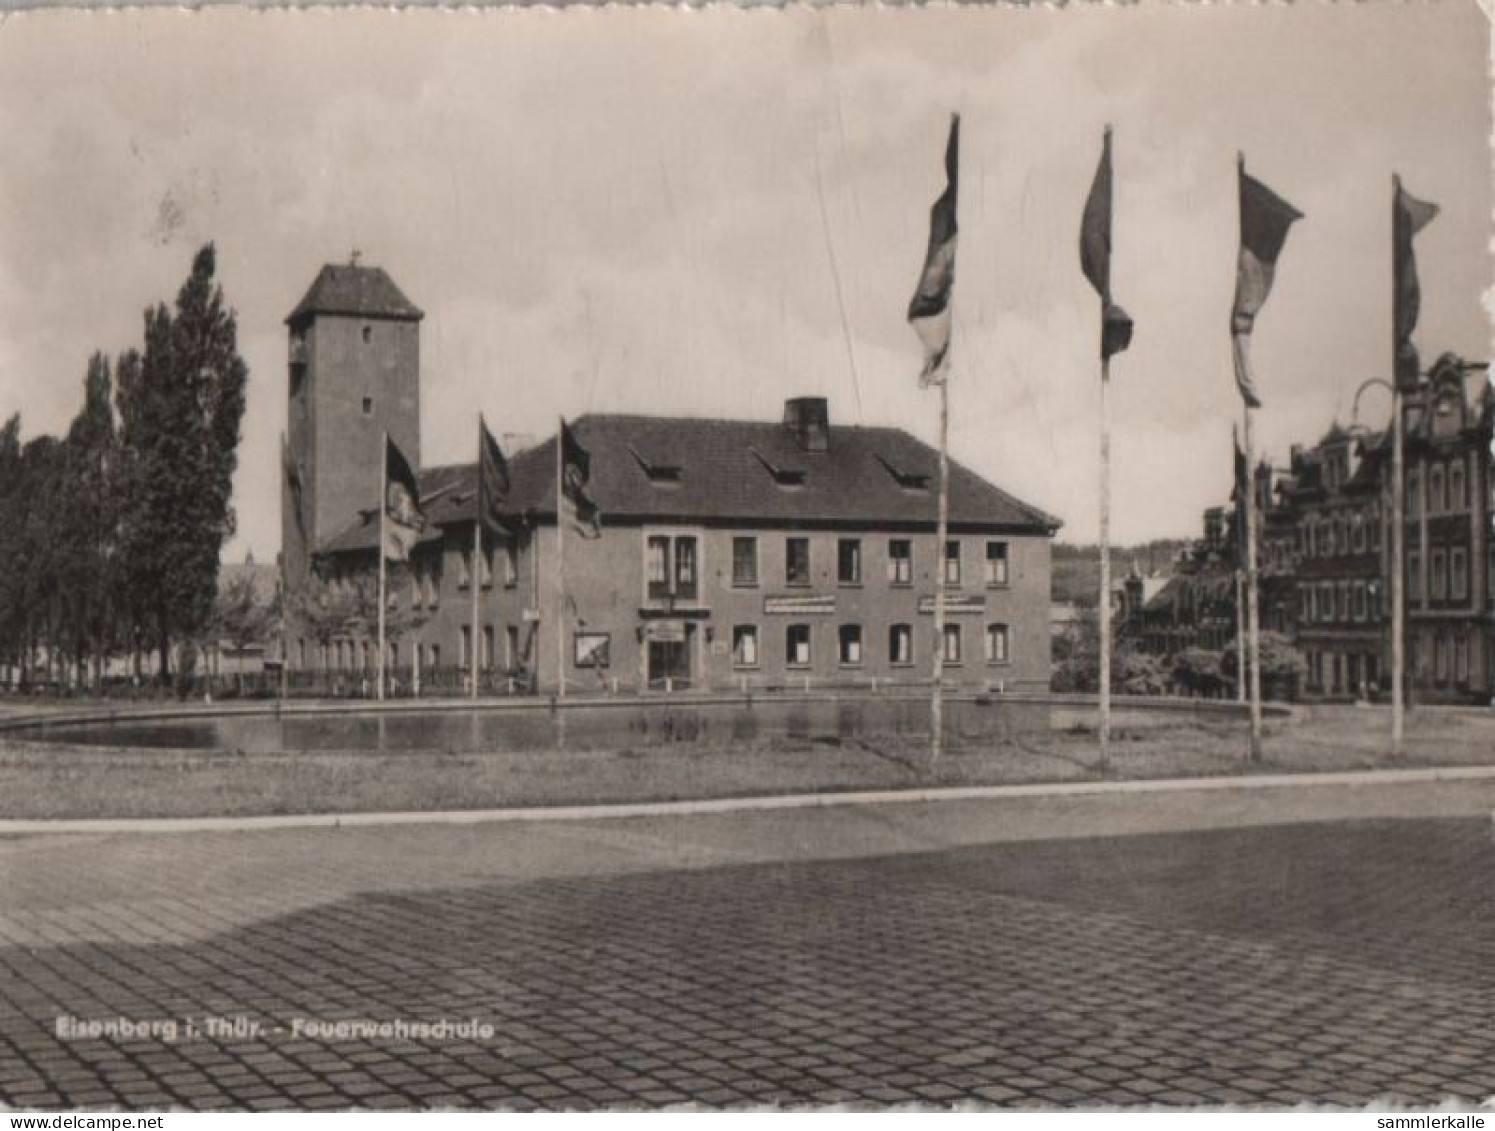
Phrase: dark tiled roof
x=366 y=292
x=726 y=473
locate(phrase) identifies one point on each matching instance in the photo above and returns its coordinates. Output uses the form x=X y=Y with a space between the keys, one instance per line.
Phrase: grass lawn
x=56 y=780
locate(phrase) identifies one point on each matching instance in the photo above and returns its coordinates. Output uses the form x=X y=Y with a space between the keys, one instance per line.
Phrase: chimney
x=808 y=420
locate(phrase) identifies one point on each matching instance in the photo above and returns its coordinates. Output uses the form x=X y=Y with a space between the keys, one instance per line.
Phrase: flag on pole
x=493 y=480
x=403 y=519
x=929 y=310
x=1095 y=255
x=1265 y=219
x=293 y=485
x=1408 y=217
x=576 y=473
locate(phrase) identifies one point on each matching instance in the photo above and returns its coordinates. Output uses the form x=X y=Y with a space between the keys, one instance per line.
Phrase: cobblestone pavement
x=1330 y=962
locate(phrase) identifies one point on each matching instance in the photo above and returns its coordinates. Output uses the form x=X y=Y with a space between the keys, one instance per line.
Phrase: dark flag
x=403 y=519
x=1265 y=219
x=1095 y=255
x=576 y=473
x=493 y=480
x=293 y=485
x=1408 y=217
x=929 y=310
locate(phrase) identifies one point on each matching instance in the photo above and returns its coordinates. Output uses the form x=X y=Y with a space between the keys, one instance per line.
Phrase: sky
x=704 y=212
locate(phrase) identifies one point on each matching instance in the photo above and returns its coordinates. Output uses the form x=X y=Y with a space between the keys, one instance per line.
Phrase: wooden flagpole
x=383 y=493
x=560 y=559
x=1398 y=570
x=1105 y=555
x=475 y=647
x=942 y=524
x=1253 y=610
x=1240 y=633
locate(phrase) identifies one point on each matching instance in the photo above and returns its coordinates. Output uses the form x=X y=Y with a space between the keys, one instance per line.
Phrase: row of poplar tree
x=110 y=535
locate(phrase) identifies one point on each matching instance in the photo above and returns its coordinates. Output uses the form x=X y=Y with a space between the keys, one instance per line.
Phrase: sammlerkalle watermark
x=170 y=1030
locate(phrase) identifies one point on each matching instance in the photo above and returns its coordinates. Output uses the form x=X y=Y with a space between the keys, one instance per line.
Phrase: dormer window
x=787 y=477
x=908 y=480
x=660 y=472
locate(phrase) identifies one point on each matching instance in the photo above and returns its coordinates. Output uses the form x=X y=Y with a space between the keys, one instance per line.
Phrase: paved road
x=1328 y=945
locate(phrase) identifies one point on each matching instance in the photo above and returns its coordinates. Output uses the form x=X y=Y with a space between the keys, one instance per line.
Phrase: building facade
x=1325 y=554
x=730 y=554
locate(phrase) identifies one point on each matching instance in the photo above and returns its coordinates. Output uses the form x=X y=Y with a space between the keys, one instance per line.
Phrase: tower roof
x=354 y=290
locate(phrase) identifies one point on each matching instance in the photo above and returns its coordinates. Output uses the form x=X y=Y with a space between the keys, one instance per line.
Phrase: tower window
x=368 y=406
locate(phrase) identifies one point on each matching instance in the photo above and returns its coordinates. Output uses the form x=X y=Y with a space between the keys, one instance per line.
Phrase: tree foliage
x=181 y=404
x=110 y=537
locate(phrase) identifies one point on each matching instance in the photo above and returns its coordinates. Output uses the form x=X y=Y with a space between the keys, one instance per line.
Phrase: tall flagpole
x=1105 y=556
x=1398 y=573
x=475 y=648
x=383 y=493
x=1240 y=633
x=1253 y=611
x=936 y=702
x=560 y=560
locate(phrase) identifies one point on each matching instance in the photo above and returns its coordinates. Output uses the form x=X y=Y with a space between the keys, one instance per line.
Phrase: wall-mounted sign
x=666 y=631
x=808 y=604
x=956 y=604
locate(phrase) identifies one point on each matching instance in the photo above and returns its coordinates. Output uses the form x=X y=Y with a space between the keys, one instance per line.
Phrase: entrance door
x=669 y=664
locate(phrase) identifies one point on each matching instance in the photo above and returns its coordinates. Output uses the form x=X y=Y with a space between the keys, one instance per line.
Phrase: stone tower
x=354 y=373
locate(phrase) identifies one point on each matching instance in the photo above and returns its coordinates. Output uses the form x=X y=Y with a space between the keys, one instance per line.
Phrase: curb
x=741 y=804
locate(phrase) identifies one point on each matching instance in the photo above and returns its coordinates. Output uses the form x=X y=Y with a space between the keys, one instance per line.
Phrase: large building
x=1325 y=557
x=731 y=554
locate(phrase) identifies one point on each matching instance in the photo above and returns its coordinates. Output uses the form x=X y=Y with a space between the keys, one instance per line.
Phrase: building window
x=1436 y=500
x=1360 y=603
x=1414 y=575
x=657 y=566
x=996 y=644
x=487 y=657
x=1304 y=610
x=1440 y=658
x=433 y=587
x=796 y=561
x=996 y=563
x=671 y=568
x=1458 y=495
x=433 y=656
x=1414 y=493
x=850 y=653
x=1357 y=526
x=1344 y=601
x=368 y=406
x=511 y=646
x=486 y=561
x=952 y=643
x=745 y=645
x=464 y=651
x=1458 y=573
x=508 y=556
x=797 y=645
x=1437 y=574
x=1461 y=659
x=744 y=561
x=464 y=569
x=900 y=644
x=952 y=562
x=368 y=334
x=849 y=561
x=685 y=568
x=900 y=561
